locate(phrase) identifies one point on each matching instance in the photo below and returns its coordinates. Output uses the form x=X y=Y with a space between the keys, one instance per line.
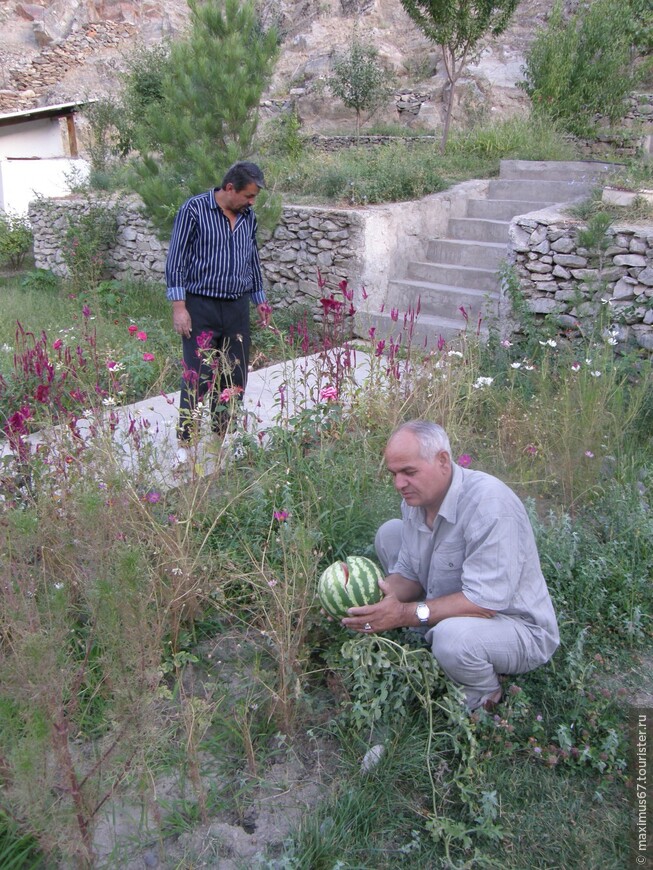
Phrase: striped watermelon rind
x=353 y=583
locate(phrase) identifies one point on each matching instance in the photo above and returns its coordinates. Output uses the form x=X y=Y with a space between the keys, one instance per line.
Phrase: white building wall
x=21 y=181
x=39 y=138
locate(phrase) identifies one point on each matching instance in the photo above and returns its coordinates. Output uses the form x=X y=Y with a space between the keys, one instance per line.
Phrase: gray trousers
x=472 y=651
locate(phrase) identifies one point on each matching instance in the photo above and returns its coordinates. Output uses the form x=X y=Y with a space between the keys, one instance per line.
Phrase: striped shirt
x=208 y=258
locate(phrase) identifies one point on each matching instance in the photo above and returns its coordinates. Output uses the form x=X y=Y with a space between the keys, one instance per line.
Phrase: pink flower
x=132 y=328
x=464 y=313
x=141 y=336
x=111 y=364
x=531 y=449
x=148 y=357
x=394 y=314
x=229 y=393
x=153 y=497
x=464 y=460
x=380 y=347
x=575 y=367
x=331 y=304
x=204 y=339
x=281 y=516
x=589 y=454
x=372 y=332
x=57 y=344
x=42 y=393
x=364 y=292
x=328 y=393
x=86 y=311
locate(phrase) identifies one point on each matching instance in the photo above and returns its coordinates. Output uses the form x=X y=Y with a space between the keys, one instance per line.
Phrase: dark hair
x=241 y=174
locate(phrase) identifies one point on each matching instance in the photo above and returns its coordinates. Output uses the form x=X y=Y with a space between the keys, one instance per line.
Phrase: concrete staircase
x=461 y=270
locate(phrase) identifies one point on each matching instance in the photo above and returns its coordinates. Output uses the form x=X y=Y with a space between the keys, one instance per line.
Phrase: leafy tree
x=360 y=80
x=582 y=66
x=457 y=26
x=202 y=115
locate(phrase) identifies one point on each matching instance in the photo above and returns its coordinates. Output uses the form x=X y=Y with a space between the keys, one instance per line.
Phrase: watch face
x=423 y=613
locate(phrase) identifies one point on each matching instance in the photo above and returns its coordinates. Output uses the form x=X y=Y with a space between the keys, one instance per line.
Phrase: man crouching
x=465 y=551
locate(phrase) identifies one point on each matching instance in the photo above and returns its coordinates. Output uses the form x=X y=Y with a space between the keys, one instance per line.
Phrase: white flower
x=454 y=353
x=596 y=374
x=612 y=340
x=588 y=362
x=529 y=368
x=550 y=342
x=482 y=382
x=109 y=401
x=515 y=365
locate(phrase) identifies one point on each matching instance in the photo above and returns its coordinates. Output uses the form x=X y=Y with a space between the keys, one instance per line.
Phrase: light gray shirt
x=481 y=544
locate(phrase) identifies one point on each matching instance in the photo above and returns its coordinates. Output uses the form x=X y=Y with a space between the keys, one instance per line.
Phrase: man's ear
x=443 y=460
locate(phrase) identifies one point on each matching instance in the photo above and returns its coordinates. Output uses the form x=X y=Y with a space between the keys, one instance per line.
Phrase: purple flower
x=281 y=516
x=86 y=311
x=153 y=497
x=464 y=460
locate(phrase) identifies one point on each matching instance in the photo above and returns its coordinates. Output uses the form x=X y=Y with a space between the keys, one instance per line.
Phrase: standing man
x=213 y=272
x=462 y=565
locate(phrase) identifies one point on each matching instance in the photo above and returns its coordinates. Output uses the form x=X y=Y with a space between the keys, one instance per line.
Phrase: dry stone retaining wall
x=559 y=277
x=306 y=239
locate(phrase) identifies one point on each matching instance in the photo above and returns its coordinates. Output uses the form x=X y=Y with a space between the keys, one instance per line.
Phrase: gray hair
x=241 y=174
x=431 y=437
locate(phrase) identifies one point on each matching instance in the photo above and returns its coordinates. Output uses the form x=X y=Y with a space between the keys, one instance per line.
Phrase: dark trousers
x=216 y=356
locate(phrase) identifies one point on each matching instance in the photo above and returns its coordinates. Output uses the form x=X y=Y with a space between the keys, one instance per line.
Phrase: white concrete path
x=273 y=396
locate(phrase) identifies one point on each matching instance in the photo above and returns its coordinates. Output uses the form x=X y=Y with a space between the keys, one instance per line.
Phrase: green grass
x=41 y=305
x=395 y=172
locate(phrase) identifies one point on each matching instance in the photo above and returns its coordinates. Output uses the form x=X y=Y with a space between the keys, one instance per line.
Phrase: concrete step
x=458 y=276
x=479 y=230
x=556 y=170
x=539 y=189
x=425 y=332
x=486 y=255
x=501 y=209
x=443 y=300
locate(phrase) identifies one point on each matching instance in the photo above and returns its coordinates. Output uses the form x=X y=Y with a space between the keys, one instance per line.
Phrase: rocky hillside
x=66 y=50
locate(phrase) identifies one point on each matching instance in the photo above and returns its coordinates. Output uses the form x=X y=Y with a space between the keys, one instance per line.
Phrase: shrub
x=582 y=67
x=86 y=245
x=15 y=239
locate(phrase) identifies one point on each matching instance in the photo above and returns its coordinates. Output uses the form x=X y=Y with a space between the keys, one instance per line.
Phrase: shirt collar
x=214 y=205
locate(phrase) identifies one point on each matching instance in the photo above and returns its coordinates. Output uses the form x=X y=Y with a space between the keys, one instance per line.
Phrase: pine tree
x=457 y=26
x=206 y=116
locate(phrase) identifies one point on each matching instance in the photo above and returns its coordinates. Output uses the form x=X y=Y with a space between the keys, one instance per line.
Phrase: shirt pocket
x=446 y=569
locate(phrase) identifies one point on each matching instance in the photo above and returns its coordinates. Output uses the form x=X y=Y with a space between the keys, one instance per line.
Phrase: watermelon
x=349 y=584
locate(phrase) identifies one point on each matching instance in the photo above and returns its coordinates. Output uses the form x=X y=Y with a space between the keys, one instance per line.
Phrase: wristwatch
x=423 y=613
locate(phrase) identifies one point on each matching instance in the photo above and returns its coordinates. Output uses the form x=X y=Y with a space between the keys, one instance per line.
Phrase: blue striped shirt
x=208 y=258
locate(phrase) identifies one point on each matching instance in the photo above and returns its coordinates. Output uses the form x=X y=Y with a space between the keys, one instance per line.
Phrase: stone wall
x=337 y=143
x=305 y=240
x=366 y=246
x=561 y=278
